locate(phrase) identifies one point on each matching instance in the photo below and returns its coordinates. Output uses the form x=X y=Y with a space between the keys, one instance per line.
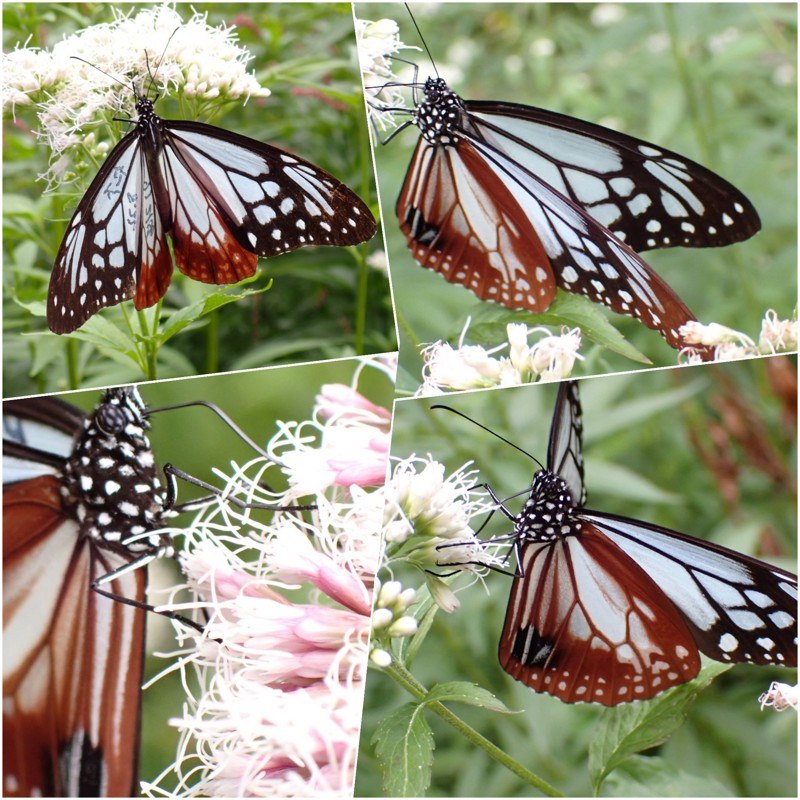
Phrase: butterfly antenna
x=425 y=45
x=494 y=433
x=107 y=74
x=223 y=416
x=152 y=75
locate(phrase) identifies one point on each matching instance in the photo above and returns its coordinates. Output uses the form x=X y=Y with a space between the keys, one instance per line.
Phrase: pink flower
x=347 y=444
x=281 y=662
x=340 y=400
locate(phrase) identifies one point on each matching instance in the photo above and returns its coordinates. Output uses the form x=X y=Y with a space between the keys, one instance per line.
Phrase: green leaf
x=634 y=727
x=403 y=743
x=467 y=693
x=424 y=611
x=651 y=776
x=100 y=332
x=566 y=310
x=206 y=304
x=620 y=481
x=620 y=411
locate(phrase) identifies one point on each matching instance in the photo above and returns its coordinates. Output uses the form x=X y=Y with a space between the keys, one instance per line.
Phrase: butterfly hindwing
x=75 y=490
x=586 y=624
x=72 y=658
x=738 y=608
x=462 y=221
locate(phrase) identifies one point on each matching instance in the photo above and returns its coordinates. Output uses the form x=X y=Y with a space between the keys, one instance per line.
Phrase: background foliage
x=644 y=434
x=715 y=82
x=305 y=54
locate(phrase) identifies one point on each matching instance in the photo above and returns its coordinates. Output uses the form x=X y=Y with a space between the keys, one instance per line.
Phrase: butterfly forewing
x=273 y=200
x=565 y=448
x=738 y=608
x=38 y=435
x=608 y=609
x=102 y=249
x=223 y=199
x=646 y=195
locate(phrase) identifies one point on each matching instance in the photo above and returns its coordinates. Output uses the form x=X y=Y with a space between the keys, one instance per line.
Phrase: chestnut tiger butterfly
x=607 y=609
x=82 y=505
x=223 y=199
x=513 y=201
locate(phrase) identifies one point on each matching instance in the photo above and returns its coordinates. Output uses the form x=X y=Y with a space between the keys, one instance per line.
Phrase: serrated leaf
x=404 y=745
x=635 y=727
x=467 y=693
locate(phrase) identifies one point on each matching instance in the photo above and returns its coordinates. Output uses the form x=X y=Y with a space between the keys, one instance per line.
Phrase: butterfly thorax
x=110 y=481
x=439 y=115
x=148 y=122
x=549 y=511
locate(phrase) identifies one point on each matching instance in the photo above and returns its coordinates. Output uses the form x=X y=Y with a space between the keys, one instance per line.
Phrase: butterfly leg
x=142 y=561
x=173 y=472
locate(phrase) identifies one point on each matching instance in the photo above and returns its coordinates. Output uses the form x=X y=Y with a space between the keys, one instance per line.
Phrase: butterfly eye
x=111 y=419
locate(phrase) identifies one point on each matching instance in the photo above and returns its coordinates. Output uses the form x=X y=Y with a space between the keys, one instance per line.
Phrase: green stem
x=212 y=342
x=402 y=676
x=361 y=300
x=150 y=349
x=685 y=77
x=73 y=379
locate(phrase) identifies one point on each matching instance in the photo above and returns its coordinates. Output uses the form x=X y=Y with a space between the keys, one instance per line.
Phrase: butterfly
x=83 y=515
x=224 y=200
x=513 y=202
x=607 y=609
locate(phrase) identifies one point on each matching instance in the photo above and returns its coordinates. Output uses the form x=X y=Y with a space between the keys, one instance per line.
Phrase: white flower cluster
x=448 y=368
x=777 y=336
x=427 y=523
x=377 y=43
x=154 y=44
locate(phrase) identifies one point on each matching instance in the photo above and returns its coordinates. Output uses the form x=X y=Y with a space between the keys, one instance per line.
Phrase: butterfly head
x=549 y=512
x=439 y=114
x=110 y=481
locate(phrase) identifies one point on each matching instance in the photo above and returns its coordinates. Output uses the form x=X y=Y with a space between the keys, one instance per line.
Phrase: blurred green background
x=195 y=440
x=660 y=446
x=715 y=82
x=305 y=54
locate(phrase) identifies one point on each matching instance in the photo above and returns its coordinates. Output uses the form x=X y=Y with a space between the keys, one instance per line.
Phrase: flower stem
x=401 y=675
